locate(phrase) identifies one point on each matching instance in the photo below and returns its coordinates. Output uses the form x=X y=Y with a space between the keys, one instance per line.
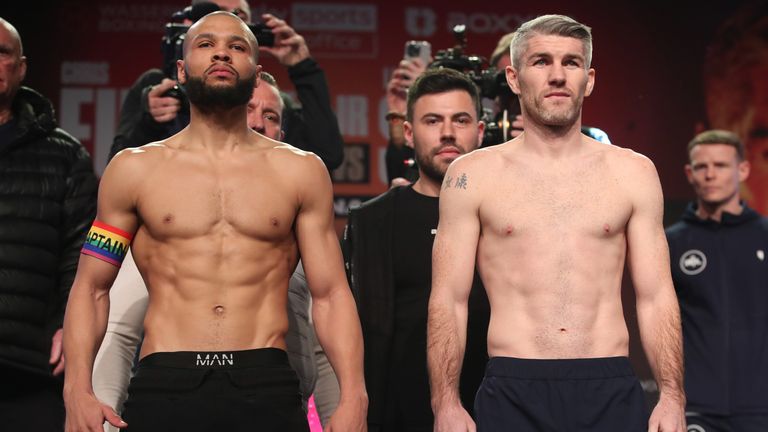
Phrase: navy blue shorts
x=215 y=391
x=698 y=422
x=574 y=395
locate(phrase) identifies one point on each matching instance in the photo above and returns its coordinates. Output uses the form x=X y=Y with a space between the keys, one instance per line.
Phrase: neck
x=552 y=141
x=220 y=129
x=715 y=211
x=427 y=186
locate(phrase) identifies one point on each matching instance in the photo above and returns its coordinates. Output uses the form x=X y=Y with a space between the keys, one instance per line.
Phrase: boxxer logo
x=215 y=360
x=420 y=22
x=693 y=262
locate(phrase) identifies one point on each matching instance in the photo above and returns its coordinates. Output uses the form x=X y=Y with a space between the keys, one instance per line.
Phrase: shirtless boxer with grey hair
x=550 y=218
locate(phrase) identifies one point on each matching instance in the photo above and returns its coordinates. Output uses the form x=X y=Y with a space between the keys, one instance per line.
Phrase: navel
x=218 y=310
x=562 y=330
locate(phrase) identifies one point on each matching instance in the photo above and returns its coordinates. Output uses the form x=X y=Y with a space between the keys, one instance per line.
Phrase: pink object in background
x=312 y=417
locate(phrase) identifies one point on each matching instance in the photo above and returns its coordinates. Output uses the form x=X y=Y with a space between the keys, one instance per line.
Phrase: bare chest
x=204 y=201
x=585 y=202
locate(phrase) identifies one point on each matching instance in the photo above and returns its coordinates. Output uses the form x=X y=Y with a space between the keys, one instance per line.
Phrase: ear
x=282 y=134
x=590 y=81
x=480 y=133
x=181 y=73
x=512 y=80
x=408 y=133
x=258 y=76
x=744 y=169
x=23 y=67
x=689 y=173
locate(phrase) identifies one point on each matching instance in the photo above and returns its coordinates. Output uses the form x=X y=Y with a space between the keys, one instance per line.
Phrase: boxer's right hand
x=454 y=418
x=86 y=414
x=163 y=108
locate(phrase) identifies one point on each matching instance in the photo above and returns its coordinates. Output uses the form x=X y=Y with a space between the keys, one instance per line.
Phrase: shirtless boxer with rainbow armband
x=218 y=215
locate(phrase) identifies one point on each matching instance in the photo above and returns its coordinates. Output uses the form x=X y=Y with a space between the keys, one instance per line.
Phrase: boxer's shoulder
x=133 y=161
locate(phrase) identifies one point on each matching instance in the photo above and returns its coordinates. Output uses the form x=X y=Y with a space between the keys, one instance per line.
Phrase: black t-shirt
x=415 y=225
x=408 y=402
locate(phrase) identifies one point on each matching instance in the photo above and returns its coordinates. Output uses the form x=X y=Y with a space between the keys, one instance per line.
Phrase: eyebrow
x=548 y=55
x=230 y=38
x=454 y=115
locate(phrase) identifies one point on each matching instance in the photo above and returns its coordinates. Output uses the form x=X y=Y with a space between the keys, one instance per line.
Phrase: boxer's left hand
x=668 y=415
x=350 y=415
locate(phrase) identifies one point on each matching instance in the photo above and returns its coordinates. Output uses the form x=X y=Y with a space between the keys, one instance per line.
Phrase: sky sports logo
x=334 y=17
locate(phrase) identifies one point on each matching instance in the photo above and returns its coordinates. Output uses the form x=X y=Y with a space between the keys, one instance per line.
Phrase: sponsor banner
x=356 y=165
x=334 y=30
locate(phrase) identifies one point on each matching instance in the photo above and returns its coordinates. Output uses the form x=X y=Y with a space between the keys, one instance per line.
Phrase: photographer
x=149 y=115
x=397 y=91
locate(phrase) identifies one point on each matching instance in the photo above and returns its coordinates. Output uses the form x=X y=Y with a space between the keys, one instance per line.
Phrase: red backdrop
x=649 y=58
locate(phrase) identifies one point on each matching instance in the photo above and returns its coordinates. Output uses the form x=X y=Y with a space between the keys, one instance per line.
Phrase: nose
x=256 y=120
x=557 y=75
x=221 y=55
x=710 y=172
x=447 y=131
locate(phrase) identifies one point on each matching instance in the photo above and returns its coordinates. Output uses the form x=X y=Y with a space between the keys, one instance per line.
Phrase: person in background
x=388 y=247
x=718 y=256
x=47 y=202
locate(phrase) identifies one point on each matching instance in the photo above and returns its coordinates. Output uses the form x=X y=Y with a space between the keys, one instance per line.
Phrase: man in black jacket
x=720 y=273
x=148 y=116
x=47 y=203
x=388 y=252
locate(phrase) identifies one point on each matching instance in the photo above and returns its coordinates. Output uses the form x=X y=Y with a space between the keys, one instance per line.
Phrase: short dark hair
x=718 y=136
x=435 y=81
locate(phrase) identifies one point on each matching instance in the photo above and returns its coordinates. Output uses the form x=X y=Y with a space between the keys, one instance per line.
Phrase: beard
x=557 y=116
x=214 y=98
x=428 y=166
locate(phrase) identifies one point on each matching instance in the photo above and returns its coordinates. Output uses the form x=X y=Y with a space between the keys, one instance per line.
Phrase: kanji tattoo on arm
x=461 y=182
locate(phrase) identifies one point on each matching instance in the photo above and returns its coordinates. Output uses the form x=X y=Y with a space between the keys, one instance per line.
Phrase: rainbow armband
x=107 y=243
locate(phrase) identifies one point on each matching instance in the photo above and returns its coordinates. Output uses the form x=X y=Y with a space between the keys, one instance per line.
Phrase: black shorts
x=599 y=394
x=699 y=422
x=215 y=391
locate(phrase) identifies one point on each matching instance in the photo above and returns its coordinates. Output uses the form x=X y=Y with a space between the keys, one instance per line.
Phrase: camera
x=491 y=83
x=418 y=50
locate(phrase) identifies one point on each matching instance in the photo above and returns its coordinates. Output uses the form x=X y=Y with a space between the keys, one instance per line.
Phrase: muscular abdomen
x=222 y=291
x=552 y=267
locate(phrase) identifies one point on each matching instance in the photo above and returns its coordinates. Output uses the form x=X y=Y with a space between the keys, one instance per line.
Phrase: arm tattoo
x=448 y=181
x=461 y=182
